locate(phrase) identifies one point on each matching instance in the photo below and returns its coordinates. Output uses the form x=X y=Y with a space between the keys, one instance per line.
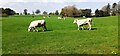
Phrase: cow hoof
x=37 y=31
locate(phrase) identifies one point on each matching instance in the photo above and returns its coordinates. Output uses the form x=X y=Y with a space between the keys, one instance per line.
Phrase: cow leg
x=82 y=28
x=43 y=30
x=45 y=27
x=89 y=26
x=35 y=30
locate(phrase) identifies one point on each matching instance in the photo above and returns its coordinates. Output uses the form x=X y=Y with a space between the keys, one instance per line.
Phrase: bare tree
x=106 y=9
x=70 y=11
x=114 y=9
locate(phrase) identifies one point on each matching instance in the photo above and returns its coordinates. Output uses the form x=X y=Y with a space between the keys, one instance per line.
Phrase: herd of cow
x=42 y=23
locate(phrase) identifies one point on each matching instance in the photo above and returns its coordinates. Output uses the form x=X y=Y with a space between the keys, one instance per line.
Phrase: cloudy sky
x=52 y=5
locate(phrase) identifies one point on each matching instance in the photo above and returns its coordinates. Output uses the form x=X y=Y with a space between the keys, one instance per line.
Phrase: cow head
x=30 y=29
x=75 y=21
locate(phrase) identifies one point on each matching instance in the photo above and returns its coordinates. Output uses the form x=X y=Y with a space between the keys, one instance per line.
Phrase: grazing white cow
x=46 y=17
x=61 y=18
x=82 y=22
x=84 y=17
x=37 y=23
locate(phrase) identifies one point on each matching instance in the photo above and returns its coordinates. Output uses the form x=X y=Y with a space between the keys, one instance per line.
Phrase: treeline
x=107 y=10
x=70 y=11
x=6 y=12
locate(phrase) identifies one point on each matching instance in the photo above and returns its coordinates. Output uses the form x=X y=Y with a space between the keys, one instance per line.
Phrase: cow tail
x=45 y=26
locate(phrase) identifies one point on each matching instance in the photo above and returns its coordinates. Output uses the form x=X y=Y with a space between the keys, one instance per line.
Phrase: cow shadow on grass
x=88 y=29
x=44 y=30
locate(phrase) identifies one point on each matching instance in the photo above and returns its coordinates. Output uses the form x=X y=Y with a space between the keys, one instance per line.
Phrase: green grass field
x=62 y=36
x=0 y=35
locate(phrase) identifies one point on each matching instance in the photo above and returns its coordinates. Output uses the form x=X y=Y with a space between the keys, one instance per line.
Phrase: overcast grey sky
x=52 y=5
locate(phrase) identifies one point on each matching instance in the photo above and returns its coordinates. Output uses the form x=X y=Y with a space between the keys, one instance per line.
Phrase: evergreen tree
x=56 y=13
x=25 y=11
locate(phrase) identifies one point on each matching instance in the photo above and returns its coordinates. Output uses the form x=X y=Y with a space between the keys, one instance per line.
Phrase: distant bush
x=6 y=12
x=4 y=15
x=70 y=11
